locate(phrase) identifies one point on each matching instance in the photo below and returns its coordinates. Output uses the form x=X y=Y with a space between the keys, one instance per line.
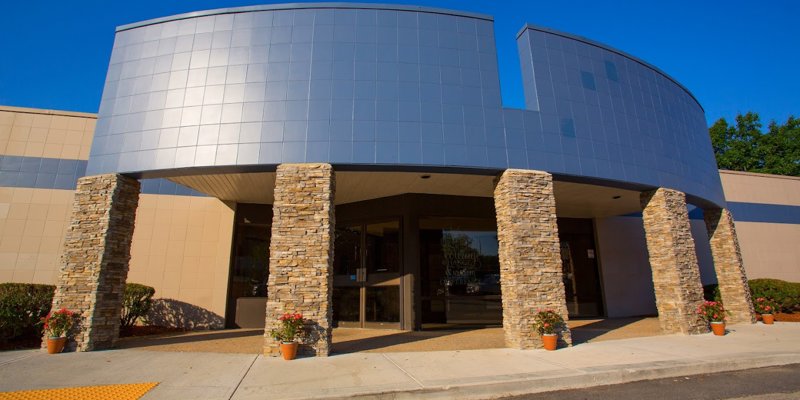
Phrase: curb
x=579 y=379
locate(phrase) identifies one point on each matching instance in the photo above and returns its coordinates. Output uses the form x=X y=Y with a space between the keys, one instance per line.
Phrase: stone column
x=301 y=254
x=728 y=264
x=531 y=277
x=676 y=275
x=94 y=265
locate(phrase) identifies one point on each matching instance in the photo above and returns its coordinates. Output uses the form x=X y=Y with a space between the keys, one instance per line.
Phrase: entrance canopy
x=573 y=200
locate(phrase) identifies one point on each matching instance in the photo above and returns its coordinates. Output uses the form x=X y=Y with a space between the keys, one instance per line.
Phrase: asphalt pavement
x=782 y=382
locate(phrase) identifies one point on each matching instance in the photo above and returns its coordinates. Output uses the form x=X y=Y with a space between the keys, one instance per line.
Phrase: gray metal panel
x=363 y=18
x=392 y=86
x=617 y=117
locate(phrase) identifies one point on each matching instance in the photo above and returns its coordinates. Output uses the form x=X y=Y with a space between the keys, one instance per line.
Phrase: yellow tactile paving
x=130 y=391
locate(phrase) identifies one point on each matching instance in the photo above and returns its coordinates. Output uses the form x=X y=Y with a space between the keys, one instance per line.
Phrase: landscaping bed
x=21 y=343
x=784 y=317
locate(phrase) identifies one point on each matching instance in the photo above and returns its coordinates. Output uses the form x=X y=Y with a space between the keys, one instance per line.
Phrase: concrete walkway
x=470 y=374
x=349 y=340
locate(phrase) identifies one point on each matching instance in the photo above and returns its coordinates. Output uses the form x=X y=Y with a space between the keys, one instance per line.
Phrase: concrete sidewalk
x=471 y=374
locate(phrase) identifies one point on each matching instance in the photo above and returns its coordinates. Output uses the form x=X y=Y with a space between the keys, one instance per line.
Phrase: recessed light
x=425 y=177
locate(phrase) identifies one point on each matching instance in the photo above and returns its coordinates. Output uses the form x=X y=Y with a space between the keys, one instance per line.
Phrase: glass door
x=347 y=280
x=366 y=283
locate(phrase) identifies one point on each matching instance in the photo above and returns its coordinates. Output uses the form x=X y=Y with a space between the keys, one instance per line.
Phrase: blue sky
x=735 y=56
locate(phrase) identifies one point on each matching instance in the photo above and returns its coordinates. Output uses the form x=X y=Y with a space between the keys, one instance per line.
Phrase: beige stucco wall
x=182 y=247
x=747 y=187
x=769 y=250
x=181 y=244
x=46 y=133
x=33 y=223
x=625 y=266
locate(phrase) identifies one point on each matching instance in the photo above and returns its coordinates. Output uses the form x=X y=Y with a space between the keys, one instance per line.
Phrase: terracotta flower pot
x=768 y=319
x=56 y=345
x=550 y=341
x=718 y=328
x=289 y=350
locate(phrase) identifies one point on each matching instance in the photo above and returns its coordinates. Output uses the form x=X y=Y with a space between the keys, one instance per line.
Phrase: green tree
x=744 y=147
x=736 y=146
x=781 y=148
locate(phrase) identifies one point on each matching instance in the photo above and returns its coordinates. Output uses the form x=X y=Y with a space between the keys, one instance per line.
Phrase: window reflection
x=251 y=266
x=461 y=272
x=347 y=251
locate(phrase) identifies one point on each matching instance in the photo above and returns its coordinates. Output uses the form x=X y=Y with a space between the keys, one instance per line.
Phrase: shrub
x=785 y=294
x=548 y=322
x=712 y=311
x=765 y=306
x=136 y=303
x=290 y=329
x=711 y=292
x=22 y=306
x=58 y=323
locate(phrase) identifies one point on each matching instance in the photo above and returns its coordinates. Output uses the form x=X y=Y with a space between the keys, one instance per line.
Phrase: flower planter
x=718 y=328
x=55 y=345
x=768 y=319
x=289 y=350
x=550 y=341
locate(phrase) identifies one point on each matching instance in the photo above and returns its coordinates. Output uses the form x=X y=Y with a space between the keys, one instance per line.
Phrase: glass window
x=382 y=304
x=567 y=127
x=587 y=79
x=383 y=247
x=345 y=304
x=251 y=264
x=611 y=71
x=460 y=272
x=347 y=251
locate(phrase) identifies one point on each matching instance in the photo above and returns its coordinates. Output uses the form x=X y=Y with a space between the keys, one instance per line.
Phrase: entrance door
x=366 y=281
x=579 y=265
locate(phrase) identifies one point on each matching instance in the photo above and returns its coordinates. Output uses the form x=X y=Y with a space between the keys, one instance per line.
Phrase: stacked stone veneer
x=301 y=254
x=95 y=259
x=531 y=277
x=728 y=264
x=676 y=275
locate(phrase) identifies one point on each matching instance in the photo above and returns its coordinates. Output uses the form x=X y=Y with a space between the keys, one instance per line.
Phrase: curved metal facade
x=405 y=87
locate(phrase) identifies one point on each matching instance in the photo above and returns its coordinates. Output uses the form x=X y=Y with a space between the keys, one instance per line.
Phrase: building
x=354 y=163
